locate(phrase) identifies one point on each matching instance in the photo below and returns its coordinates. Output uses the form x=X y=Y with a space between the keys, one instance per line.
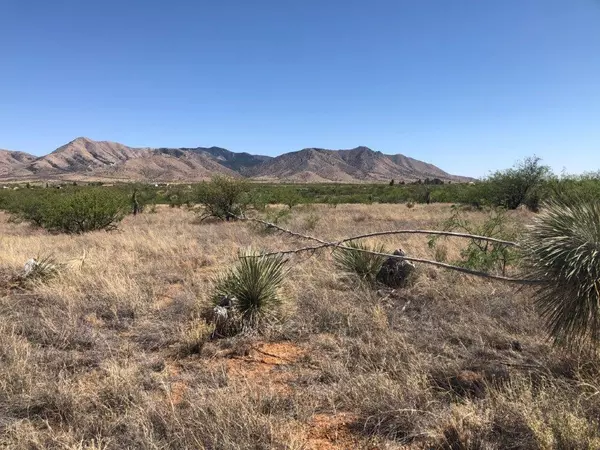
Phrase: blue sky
x=469 y=85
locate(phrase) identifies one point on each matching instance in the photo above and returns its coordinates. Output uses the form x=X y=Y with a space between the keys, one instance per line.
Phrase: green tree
x=223 y=197
x=290 y=196
x=518 y=185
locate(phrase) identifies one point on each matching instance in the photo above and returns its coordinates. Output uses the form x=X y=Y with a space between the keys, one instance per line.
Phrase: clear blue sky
x=469 y=85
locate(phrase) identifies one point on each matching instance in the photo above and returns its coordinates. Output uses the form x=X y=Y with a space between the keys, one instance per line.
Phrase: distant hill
x=358 y=164
x=84 y=158
x=12 y=164
x=232 y=160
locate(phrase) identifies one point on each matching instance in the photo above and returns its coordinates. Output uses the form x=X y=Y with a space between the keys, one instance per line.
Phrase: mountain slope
x=232 y=160
x=84 y=158
x=159 y=166
x=84 y=155
x=13 y=164
x=358 y=164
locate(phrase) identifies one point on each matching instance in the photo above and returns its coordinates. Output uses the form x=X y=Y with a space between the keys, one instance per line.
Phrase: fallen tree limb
x=340 y=245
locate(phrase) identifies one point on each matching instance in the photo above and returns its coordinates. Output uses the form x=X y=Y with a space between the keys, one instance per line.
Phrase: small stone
x=29 y=267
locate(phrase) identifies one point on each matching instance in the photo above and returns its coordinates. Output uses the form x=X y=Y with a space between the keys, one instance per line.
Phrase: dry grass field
x=112 y=353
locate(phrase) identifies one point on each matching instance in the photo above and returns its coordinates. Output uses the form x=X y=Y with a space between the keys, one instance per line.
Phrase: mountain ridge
x=86 y=159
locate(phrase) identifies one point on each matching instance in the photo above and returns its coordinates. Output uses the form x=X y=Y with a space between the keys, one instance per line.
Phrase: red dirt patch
x=167 y=296
x=264 y=364
x=177 y=388
x=331 y=432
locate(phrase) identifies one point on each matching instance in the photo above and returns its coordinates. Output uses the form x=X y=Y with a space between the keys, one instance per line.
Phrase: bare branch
x=284 y=230
x=339 y=244
x=432 y=232
x=385 y=233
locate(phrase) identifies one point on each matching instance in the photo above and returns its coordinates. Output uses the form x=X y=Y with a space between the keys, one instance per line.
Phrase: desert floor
x=112 y=353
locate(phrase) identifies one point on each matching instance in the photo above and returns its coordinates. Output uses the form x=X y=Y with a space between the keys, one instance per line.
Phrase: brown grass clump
x=112 y=353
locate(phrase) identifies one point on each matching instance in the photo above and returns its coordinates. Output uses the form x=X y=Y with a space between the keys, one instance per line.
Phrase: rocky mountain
x=238 y=162
x=12 y=164
x=84 y=155
x=358 y=164
x=84 y=158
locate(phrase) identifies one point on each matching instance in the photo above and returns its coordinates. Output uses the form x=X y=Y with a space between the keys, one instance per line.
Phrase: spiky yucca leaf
x=563 y=248
x=255 y=283
x=365 y=265
x=42 y=268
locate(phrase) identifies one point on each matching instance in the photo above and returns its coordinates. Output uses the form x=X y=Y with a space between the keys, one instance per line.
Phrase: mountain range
x=85 y=159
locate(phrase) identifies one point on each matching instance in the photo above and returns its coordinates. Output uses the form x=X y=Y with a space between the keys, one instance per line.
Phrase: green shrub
x=290 y=196
x=519 y=185
x=76 y=211
x=563 y=247
x=358 y=262
x=480 y=254
x=223 y=198
x=275 y=216
x=254 y=282
x=569 y=189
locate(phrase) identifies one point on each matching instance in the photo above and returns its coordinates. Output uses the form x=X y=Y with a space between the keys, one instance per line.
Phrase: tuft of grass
x=255 y=284
x=194 y=336
x=562 y=246
x=357 y=261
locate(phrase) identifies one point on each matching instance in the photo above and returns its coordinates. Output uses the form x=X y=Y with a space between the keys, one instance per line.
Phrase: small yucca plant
x=355 y=261
x=562 y=247
x=41 y=268
x=254 y=282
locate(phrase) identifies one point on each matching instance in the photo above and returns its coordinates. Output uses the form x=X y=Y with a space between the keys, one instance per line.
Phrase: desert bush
x=357 y=261
x=223 y=198
x=563 y=247
x=275 y=216
x=253 y=285
x=76 y=211
x=479 y=254
x=311 y=221
x=290 y=196
x=578 y=188
x=519 y=185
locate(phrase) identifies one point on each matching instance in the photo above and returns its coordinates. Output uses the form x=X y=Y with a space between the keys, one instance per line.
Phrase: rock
x=226 y=317
x=517 y=346
x=228 y=301
x=395 y=272
x=29 y=267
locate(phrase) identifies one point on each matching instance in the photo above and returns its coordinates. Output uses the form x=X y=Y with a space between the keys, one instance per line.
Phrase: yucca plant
x=562 y=247
x=355 y=261
x=41 y=268
x=254 y=283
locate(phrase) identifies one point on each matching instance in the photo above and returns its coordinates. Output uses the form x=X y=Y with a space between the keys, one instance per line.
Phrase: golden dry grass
x=93 y=359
